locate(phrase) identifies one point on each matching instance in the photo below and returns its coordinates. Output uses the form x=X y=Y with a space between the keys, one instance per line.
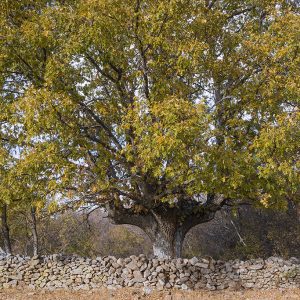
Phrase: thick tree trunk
x=166 y=233
x=5 y=229
x=35 y=240
x=168 y=245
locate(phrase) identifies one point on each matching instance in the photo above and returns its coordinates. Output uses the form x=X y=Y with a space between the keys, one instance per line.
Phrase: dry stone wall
x=72 y=272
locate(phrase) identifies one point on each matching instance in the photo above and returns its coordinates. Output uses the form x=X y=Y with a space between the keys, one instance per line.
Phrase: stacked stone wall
x=77 y=273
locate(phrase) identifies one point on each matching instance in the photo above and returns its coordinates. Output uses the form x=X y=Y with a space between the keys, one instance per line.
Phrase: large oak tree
x=160 y=111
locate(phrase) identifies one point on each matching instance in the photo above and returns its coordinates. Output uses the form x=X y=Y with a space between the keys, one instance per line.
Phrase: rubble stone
x=78 y=273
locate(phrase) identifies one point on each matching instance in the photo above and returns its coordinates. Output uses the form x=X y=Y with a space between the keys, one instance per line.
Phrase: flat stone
x=202 y=265
x=248 y=284
x=256 y=267
x=193 y=261
x=78 y=271
x=132 y=266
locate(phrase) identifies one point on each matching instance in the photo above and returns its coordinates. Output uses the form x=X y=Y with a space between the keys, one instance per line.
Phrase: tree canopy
x=145 y=104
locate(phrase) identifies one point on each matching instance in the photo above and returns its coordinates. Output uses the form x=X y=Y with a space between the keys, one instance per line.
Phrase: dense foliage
x=139 y=103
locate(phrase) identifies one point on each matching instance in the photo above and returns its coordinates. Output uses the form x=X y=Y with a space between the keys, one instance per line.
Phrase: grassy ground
x=128 y=294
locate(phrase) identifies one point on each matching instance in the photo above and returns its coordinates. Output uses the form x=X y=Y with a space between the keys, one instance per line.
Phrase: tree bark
x=35 y=240
x=168 y=244
x=5 y=230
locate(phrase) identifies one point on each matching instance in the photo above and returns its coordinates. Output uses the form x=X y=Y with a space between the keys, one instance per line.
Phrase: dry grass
x=128 y=294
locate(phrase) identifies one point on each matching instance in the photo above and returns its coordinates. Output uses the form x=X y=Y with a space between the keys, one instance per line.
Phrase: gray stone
x=147 y=290
x=138 y=277
x=202 y=265
x=184 y=287
x=193 y=261
x=132 y=266
x=256 y=267
x=78 y=271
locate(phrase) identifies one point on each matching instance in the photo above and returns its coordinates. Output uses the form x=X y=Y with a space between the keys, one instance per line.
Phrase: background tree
x=5 y=229
x=163 y=112
x=6 y=163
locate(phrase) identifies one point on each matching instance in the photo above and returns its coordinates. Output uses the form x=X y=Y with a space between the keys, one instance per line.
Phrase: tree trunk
x=35 y=241
x=168 y=245
x=5 y=229
x=166 y=233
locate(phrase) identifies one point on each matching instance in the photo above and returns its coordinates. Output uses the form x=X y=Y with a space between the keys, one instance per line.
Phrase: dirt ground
x=128 y=294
